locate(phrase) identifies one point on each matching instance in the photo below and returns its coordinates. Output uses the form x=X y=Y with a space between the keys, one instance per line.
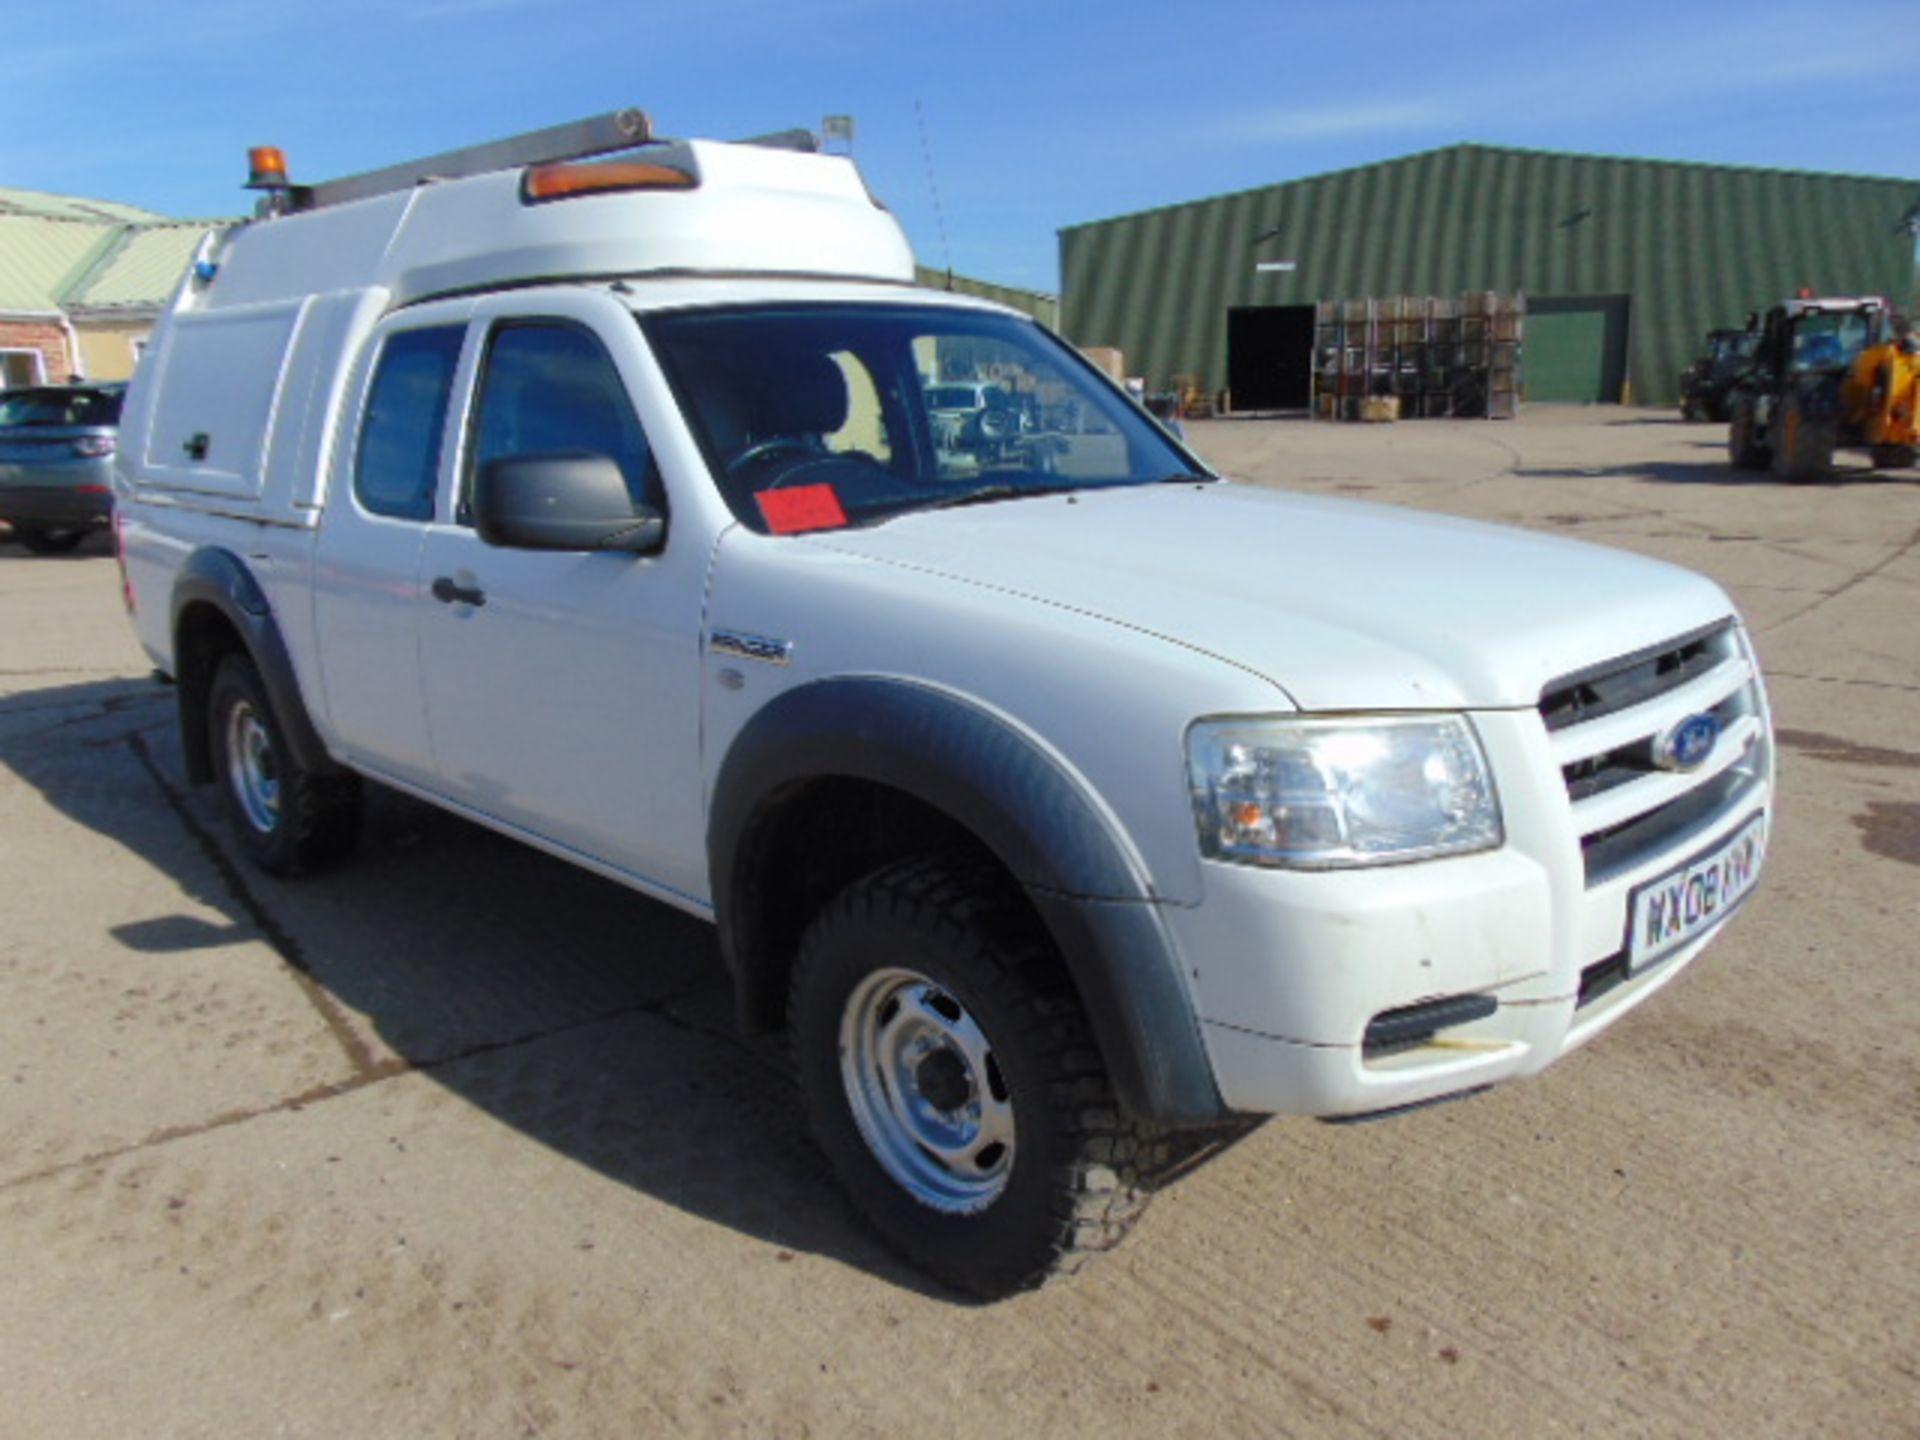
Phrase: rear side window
x=399 y=459
x=550 y=388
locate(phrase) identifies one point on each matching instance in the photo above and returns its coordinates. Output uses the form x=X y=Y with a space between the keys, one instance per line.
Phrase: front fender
x=1036 y=817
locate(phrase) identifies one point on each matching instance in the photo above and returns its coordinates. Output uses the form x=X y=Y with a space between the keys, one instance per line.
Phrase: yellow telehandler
x=1881 y=397
x=1826 y=373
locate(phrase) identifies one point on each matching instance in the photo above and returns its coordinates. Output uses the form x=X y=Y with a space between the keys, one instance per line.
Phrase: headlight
x=1328 y=794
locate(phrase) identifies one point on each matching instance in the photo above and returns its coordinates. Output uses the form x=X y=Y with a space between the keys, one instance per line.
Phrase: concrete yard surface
x=459 y=1141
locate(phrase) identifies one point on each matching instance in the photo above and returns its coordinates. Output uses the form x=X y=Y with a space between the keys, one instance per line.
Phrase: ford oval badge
x=1686 y=744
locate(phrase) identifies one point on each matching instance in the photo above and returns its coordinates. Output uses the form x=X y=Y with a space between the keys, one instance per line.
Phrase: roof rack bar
x=803 y=140
x=598 y=135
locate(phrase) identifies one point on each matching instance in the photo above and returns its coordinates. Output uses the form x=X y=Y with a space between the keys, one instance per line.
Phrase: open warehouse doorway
x=1270 y=357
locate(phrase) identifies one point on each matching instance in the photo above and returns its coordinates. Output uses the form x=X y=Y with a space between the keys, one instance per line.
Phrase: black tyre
x=1743 y=449
x=1893 y=457
x=286 y=818
x=49 y=542
x=1803 y=448
x=953 y=1081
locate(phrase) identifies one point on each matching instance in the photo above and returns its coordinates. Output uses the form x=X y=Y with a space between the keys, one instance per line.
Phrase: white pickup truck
x=1061 y=799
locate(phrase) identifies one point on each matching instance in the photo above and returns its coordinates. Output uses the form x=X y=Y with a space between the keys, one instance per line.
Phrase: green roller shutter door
x=1576 y=348
x=1566 y=356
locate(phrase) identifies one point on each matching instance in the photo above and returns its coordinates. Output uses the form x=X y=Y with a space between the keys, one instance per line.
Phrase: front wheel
x=1743 y=448
x=953 y=1081
x=1893 y=457
x=1804 y=450
x=286 y=817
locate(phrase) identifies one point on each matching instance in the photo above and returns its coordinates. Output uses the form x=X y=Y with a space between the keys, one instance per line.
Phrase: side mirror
x=572 y=500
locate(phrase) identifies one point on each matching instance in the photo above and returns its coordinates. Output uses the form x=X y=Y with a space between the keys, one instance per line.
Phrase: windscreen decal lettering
x=802 y=508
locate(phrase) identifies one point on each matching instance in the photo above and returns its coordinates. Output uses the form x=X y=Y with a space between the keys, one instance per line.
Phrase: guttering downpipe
x=77 y=369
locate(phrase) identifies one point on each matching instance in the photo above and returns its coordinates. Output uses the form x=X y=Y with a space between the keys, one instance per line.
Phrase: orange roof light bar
x=570 y=179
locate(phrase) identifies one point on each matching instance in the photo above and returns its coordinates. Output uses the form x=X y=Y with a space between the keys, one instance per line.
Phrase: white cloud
x=1332 y=121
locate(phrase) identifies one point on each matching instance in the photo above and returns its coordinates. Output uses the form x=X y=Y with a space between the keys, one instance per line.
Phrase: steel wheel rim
x=251 y=767
x=926 y=1092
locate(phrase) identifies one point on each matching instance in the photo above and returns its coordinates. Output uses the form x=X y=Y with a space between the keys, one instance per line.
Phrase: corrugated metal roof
x=69 y=207
x=141 y=269
x=1694 y=245
x=39 y=257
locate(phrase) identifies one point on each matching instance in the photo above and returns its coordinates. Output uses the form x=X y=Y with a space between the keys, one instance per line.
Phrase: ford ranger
x=1062 y=800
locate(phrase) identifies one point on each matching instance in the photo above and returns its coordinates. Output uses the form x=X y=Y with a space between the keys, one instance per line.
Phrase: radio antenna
x=939 y=215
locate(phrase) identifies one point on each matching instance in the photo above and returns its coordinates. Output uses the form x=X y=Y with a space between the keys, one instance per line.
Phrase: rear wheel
x=952 y=1079
x=287 y=818
x=1893 y=457
x=48 y=542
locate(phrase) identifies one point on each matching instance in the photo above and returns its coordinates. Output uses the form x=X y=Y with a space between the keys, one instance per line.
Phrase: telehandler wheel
x=1804 y=449
x=953 y=1081
x=1893 y=457
x=286 y=818
x=1742 y=449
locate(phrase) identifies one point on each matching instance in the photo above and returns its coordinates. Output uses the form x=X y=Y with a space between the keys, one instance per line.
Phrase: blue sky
x=1033 y=116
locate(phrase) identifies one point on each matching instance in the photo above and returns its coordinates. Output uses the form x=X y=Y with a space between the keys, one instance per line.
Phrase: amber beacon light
x=567 y=180
x=266 y=168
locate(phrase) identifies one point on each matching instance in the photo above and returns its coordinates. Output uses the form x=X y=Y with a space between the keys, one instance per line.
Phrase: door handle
x=448 y=593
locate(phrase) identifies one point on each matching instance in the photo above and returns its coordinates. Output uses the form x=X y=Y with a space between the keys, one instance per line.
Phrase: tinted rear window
x=60 y=407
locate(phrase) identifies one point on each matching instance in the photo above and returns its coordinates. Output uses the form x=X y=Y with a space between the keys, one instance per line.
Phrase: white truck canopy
x=740 y=209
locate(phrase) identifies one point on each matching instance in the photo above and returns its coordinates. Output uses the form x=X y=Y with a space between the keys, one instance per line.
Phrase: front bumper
x=1519 y=950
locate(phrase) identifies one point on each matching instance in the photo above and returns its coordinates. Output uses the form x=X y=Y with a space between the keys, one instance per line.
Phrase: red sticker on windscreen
x=804 y=507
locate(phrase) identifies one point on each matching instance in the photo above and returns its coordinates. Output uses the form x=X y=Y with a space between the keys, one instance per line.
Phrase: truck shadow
x=1713 y=470
x=591 y=1019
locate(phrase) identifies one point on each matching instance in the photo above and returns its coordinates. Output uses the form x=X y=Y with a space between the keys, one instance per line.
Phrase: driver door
x=562 y=687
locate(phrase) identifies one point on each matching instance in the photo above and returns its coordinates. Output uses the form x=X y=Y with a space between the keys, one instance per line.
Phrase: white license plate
x=1668 y=912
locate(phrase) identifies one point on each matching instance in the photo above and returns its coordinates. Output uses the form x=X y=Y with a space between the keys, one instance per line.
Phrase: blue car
x=56 y=462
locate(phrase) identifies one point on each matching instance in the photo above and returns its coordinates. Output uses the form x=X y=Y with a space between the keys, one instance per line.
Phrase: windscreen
x=1829 y=339
x=815 y=417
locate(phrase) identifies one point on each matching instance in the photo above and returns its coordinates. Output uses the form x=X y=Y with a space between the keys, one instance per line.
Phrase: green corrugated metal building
x=1625 y=263
x=1041 y=306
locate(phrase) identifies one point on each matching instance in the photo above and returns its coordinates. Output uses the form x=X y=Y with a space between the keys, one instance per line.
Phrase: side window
x=398 y=465
x=551 y=388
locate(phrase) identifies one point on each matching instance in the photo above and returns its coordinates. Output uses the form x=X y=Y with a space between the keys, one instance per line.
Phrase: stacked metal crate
x=1419 y=355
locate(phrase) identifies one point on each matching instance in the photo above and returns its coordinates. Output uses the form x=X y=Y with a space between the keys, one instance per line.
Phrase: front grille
x=1605 y=723
x=1632 y=680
